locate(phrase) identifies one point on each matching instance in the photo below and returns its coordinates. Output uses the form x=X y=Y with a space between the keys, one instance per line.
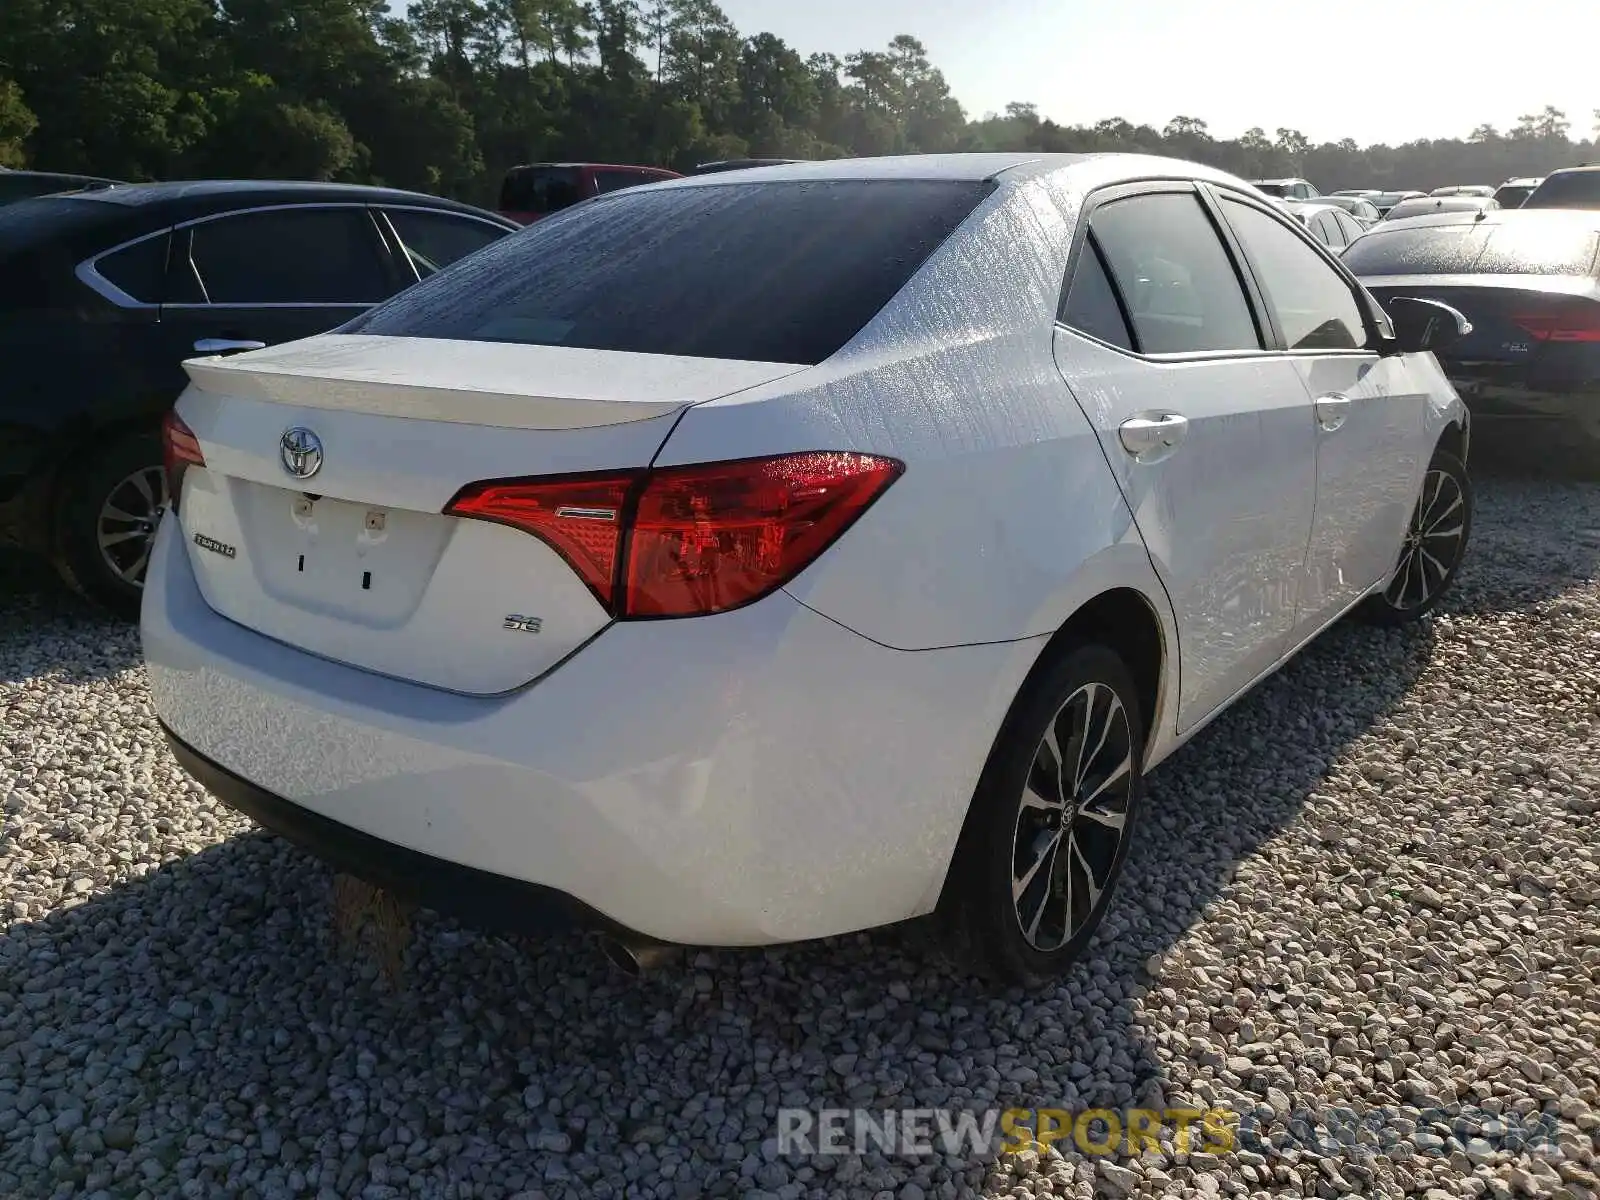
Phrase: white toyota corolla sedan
x=769 y=555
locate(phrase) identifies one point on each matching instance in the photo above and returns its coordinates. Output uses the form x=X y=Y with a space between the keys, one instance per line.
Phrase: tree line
x=446 y=95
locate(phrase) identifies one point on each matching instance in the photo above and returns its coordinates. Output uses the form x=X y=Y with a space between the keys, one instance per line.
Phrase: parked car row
x=1528 y=281
x=1522 y=263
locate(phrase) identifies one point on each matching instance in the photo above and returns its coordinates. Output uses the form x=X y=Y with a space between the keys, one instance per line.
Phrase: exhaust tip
x=636 y=958
x=621 y=957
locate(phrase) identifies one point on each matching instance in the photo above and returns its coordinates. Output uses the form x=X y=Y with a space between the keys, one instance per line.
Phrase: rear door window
x=541 y=190
x=772 y=272
x=1182 y=292
x=291 y=256
x=434 y=240
x=138 y=271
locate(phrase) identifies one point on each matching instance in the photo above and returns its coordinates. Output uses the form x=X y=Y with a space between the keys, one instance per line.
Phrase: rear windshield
x=1280 y=190
x=540 y=189
x=1512 y=196
x=1533 y=249
x=772 y=272
x=1572 y=189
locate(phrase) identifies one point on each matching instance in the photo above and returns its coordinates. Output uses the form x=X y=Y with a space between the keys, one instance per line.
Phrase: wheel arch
x=1124 y=620
x=1454 y=439
x=84 y=442
x=1134 y=625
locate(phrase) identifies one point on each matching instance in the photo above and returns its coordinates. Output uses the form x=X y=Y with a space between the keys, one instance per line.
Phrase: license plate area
x=363 y=562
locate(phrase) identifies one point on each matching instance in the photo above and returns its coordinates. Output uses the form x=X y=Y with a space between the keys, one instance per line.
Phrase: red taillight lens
x=698 y=539
x=180 y=449
x=579 y=517
x=705 y=539
x=1580 y=323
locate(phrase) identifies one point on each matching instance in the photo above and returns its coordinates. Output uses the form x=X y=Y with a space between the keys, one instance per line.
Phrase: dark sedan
x=1529 y=281
x=104 y=294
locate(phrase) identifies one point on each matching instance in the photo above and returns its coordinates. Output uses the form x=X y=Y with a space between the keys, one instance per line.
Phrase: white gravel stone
x=1371 y=886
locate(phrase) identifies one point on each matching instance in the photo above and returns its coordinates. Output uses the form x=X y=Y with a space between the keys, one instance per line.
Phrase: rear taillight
x=579 y=517
x=687 y=541
x=180 y=450
x=705 y=539
x=1578 y=323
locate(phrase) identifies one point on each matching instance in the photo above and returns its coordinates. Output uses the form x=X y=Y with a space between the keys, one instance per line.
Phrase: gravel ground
x=1373 y=885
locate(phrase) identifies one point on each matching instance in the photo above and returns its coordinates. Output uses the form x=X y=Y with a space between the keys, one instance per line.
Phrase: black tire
x=985 y=926
x=109 y=483
x=1423 y=579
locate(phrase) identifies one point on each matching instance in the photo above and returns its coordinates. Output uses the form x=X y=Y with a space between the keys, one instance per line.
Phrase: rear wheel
x=1051 y=822
x=107 y=520
x=1434 y=545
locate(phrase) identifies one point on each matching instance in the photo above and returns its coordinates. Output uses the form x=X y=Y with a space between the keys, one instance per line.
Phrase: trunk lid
x=357 y=562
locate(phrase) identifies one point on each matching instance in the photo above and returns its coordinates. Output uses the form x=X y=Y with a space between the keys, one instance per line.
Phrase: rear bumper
x=1522 y=417
x=760 y=776
x=480 y=898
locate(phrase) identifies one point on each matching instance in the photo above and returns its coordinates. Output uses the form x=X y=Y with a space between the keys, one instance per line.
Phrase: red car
x=539 y=189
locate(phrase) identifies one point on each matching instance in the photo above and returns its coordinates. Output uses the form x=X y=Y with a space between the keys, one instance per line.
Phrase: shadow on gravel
x=208 y=996
x=45 y=628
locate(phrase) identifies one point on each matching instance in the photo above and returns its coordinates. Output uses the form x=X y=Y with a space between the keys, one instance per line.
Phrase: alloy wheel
x=126 y=528
x=1433 y=543
x=1073 y=817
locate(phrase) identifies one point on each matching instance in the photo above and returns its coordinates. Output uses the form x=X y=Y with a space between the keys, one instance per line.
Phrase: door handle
x=1150 y=438
x=1332 y=411
x=226 y=345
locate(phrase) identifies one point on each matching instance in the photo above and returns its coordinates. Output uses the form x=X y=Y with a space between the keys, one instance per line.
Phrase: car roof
x=1529 y=181
x=1452 y=203
x=743 y=164
x=182 y=200
x=1488 y=218
x=574 y=166
x=57 y=175
x=1283 y=179
x=81 y=222
x=1081 y=169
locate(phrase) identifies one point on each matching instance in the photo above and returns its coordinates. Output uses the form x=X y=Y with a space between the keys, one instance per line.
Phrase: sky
x=1386 y=71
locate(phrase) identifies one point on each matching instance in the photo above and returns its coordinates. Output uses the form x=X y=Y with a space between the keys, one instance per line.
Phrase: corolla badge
x=300 y=451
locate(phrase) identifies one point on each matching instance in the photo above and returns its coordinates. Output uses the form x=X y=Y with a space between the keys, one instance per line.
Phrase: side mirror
x=1422 y=325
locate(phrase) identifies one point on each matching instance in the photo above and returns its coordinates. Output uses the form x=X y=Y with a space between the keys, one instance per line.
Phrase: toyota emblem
x=300 y=451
